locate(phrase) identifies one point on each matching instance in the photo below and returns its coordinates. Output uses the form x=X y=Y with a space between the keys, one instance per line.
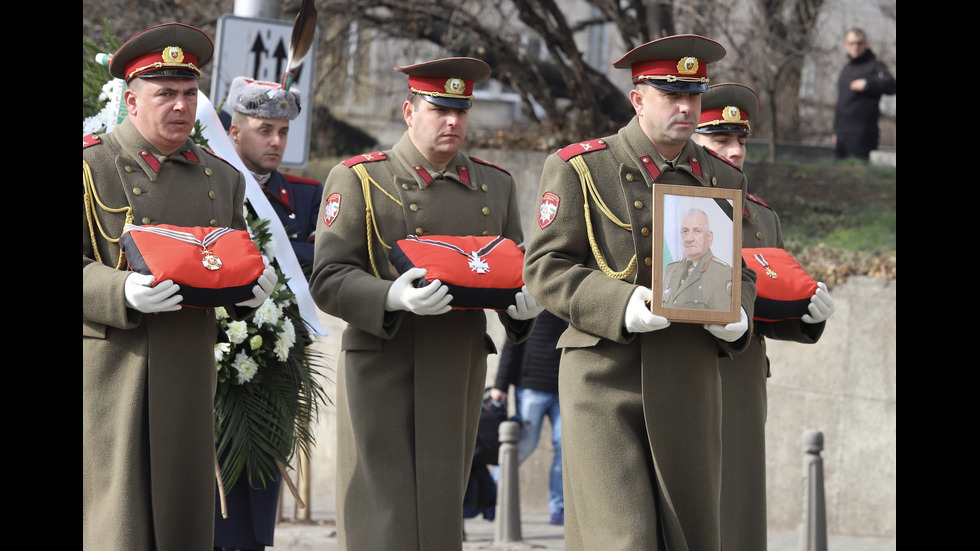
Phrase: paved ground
x=536 y=533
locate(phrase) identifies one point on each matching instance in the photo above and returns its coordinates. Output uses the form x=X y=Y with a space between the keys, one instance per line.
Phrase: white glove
x=432 y=299
x=524 y=307
x=731 y=332
x=140 y=296
x=821 y=305
x=266 y=283
x=639 y=318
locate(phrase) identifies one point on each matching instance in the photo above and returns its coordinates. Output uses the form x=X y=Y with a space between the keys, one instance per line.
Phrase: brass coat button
x=484 y=188
x=213 y=223
x=137 y=191
x=418 y=231
x=207 y=171
x=714 y=181
x=758 y=235
x=645 y=232
x=129 y=168
x=486 y=211
x=648 y=261
x=413 y=207
x=629 y=177
x=405 y=187
x=211 y=194
x=638 y=204
x=146 y=220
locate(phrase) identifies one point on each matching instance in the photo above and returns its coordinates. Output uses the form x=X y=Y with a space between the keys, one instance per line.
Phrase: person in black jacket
x=862 y=82
x=532 y=367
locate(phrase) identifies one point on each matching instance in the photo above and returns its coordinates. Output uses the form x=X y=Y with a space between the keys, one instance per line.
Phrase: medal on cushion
x=769 y=271
x=210 y=261
x=478 y=264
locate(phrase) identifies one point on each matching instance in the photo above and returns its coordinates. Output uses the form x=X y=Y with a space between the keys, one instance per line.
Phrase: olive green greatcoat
x=743 y=383
x=409 y=387
x=641 y=413
x=148 y=380
x=707 y=287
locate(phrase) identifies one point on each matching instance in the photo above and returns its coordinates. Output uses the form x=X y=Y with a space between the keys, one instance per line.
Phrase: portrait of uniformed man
x=700 y=280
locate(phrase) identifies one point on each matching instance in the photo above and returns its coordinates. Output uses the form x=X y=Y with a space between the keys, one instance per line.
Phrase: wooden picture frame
x=711 y=218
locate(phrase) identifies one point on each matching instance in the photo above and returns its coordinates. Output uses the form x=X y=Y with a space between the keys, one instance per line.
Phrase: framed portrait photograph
x=697 y=253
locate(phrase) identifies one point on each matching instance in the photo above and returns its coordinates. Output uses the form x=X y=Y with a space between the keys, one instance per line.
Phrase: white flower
x=268 y=312
x=237 y=331
x=220 y=350
x=285 y=340
x=93 y=124
x=245 y=366
x=255 y=342
x=112 y=93
x=270 y=249
x=220 y=313
x=289 y=331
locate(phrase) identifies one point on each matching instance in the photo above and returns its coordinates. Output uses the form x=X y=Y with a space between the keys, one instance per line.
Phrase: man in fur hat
x=261 y=113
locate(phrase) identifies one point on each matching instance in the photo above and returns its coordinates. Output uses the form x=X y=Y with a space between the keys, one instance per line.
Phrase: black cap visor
x=451 y=103
x=718 y=128
x=678 y=86
x=169 y=72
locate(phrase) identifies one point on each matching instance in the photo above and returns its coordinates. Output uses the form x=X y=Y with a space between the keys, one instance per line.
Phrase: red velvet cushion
x=223 y=277
x=783 y=287
x=481 y=271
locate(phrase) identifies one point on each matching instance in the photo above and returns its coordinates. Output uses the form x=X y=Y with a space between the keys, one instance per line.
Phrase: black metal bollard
x=508 y=522
x=814 y=537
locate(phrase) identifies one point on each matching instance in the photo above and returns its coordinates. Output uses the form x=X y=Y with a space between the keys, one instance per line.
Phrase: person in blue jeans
x=532 y=368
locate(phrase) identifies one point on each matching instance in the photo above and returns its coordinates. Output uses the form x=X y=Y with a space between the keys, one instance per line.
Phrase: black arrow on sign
x=258 y=49
x=280 y=55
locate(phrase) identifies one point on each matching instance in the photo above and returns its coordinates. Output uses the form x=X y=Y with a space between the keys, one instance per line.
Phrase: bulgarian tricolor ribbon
x=765 y=264
x=210 y=261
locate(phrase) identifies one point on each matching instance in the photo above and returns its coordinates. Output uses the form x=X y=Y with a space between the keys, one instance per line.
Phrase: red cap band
x=723 y=115
x=443 y=87
x=687 y=69
x=171 y=57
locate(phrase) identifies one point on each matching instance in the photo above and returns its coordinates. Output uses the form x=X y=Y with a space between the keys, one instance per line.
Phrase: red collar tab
x=281 y=193
x=695 y=166
x=650 y=166
x=464 y=174
x=190 y=156
x=150 y=160
x=423 y=173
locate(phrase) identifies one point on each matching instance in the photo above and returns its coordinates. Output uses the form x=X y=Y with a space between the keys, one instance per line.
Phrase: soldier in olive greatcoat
x=640 y=396
x=412 y=370
x=148 y=375
x=724 y=128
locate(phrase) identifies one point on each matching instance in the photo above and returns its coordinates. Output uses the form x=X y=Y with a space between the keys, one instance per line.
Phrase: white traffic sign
x=259 y=49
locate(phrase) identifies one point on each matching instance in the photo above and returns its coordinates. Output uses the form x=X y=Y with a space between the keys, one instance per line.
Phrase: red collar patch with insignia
x=548 y=209
x=331 y=208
